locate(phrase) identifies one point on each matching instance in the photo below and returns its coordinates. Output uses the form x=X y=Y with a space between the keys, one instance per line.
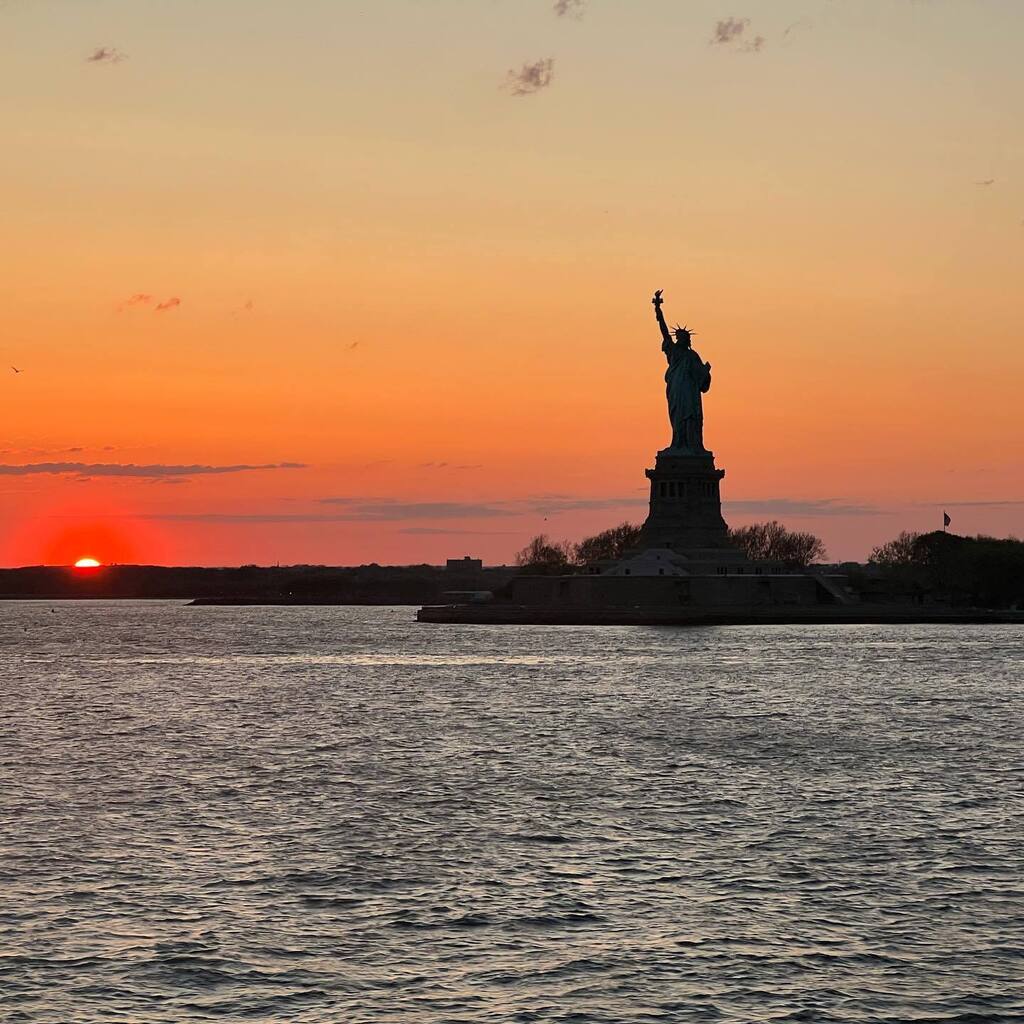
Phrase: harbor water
x=337 y=814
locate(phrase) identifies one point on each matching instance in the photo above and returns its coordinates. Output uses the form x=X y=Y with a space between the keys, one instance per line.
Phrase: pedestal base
x=686 y=503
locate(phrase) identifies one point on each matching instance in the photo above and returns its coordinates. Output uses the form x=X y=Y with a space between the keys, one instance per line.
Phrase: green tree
x=978 y=572
x=772 y=542
x=609 y=544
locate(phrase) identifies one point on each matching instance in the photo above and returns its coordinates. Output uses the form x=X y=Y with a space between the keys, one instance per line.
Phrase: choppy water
x=333 y=814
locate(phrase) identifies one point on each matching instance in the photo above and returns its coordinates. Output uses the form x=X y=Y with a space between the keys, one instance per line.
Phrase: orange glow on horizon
x=87 y=563
x=446 y=305
x=108 y=543
x=60 y=530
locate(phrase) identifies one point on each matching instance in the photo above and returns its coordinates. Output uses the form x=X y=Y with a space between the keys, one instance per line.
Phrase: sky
x=339 y=282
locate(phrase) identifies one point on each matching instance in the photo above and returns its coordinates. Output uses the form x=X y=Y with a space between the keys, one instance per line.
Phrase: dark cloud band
x=386 y=510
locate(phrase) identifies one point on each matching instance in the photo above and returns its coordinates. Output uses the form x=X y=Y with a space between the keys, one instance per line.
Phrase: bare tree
x=772 y=542
x=545 y=557
x=904 y=550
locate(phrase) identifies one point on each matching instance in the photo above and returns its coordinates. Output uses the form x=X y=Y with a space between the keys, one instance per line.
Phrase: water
x=334 y=814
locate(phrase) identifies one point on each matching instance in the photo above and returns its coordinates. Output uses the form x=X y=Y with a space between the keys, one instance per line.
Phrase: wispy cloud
x=293 y=518
x=243 y=517
x=151 y=472
x=393 y=510
x=106 y=55
x=732 y=32
x=728 y=30
x=149 y=301
x=556 y=504
x=811 y=507
x=531 y=78
x=570 y=8
x=990 y=503
x=796 y=26
x=430 y=531
x=40 y=452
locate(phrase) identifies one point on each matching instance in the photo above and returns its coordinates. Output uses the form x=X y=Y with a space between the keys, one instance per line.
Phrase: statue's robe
x=686 y=379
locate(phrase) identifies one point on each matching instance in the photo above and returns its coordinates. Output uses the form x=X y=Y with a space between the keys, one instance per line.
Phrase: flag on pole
x=946 y=520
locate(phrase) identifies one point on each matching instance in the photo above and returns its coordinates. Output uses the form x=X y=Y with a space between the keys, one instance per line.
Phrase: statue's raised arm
x=666 y=336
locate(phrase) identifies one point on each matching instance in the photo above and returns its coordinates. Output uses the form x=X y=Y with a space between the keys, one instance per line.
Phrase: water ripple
x=330 y=814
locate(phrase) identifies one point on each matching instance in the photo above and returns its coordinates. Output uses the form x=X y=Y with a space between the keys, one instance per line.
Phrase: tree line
x=769 y=541
x=979 y=572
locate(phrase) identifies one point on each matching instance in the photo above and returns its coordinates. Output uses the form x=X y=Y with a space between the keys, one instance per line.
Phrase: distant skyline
x=341 y=282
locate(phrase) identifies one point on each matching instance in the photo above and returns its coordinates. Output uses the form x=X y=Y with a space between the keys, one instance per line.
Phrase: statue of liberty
x=686 y=379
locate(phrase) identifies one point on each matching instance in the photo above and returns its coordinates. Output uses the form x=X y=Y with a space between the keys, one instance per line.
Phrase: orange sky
x=433 y=295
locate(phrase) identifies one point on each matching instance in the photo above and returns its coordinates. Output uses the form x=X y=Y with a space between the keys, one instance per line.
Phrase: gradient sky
x=412 y=313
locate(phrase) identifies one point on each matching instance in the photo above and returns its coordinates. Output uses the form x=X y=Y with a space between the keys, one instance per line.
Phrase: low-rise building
x=466 y=564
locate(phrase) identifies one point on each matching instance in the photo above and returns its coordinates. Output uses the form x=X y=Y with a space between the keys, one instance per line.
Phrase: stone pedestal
x=686 y=504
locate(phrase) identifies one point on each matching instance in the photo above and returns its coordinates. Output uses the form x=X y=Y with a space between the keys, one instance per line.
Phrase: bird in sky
x=987 y=181
x=15 y=369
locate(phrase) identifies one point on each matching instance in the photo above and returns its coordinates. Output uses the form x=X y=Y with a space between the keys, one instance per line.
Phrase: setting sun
x=87 y=563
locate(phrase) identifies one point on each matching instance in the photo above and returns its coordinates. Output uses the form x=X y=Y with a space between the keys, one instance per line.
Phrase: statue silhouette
x=686 y=379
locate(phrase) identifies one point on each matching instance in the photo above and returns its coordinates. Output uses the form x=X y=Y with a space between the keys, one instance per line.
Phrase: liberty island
x=684 y=568
x=683 y=562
